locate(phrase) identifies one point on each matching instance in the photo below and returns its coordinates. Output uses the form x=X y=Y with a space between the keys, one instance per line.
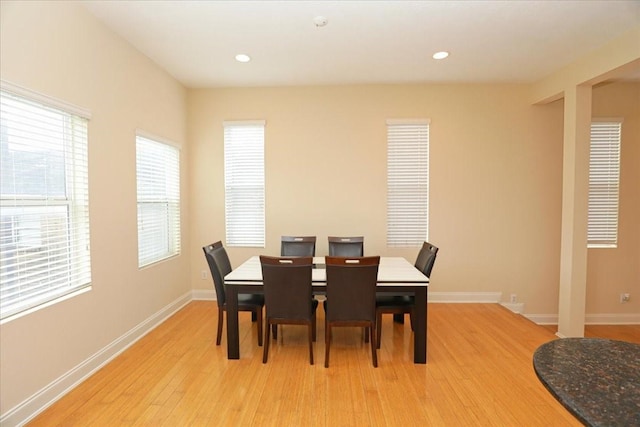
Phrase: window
x=407 y=182
x=158 y=176
x=244 y=183
x=604 y=183
x=44 y=203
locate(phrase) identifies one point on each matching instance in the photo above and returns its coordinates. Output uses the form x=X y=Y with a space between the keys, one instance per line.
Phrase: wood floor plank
x=479 y=373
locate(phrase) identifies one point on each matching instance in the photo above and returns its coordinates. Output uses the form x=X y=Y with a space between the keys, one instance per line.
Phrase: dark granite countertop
x=597 y=380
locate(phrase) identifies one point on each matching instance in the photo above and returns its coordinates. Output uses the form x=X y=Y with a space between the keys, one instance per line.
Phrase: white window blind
x=158 y=178
x=407 y=182
x=604 y=183
x=244 y=183
x=44 y=202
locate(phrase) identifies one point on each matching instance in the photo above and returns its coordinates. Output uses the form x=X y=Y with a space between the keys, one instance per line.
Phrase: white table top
x=392 y=271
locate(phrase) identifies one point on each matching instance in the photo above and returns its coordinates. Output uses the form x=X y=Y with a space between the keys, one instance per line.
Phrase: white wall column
x=575 y=192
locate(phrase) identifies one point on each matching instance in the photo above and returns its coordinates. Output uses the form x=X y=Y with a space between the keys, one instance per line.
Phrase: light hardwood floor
x=479 y=373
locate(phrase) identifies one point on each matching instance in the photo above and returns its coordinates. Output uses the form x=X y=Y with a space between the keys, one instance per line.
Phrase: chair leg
x=220 y=321
x=311 y=337
x=313 y=325
x=374 y=346
x=378 y=327
x=274 y=330
x=258 y=314
x=327 y=344
x=365 y=332
x=265 y=352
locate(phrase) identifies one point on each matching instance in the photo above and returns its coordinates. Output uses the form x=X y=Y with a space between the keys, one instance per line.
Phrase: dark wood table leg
x=420 y=333
x=233 y=336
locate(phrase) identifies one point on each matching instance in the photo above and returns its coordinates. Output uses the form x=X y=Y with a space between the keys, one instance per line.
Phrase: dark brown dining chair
x=298 y=246
x=220 y=266
x=402 y=304
x=346 y=246
x=351 y=297
x=288 y=296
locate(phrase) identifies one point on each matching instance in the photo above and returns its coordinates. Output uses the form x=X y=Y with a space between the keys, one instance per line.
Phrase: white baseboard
x=469 y=297
x=204 y=295
x=516 y=307
x=31 y=407
x=590 y=319
x=543 y=319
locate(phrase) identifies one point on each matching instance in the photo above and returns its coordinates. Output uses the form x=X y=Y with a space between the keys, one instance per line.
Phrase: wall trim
x=516 y=307
x=465 y=297
x=204 y=295
x=41 y=400
x=590 y=319
x=462 y=297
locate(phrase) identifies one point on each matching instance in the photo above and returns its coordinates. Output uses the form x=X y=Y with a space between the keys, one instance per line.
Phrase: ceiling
x=365 y=42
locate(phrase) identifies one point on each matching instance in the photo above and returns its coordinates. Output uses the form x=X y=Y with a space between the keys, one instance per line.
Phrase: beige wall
x=495 y=184
x=495 y=180
x=614 y=271
x=60 y=50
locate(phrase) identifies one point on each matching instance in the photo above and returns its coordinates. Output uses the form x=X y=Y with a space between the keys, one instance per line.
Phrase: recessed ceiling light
x=440 y=55
x=320 y=21
x=243 y=58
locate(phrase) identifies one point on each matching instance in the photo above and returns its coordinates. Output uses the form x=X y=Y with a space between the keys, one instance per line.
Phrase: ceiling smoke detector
x=320 y=21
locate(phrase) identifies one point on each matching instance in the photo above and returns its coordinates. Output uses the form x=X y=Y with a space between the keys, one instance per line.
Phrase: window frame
x=407 y=156
x=603 y=210
x=162 y=169
x=56 y=254
x=244 y=175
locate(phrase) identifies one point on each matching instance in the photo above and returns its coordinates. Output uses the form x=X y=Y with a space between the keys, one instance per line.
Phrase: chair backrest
x=298 y=246
x=220 y=266
x=287 y=287
x=346 y=246
x=351 y=288
x=426 y=258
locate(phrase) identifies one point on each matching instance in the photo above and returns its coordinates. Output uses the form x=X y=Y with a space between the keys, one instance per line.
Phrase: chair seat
x=250 y=299
x=394 y=300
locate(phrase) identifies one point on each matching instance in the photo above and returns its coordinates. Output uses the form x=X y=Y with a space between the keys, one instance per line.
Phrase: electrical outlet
x=513 y=299
x=625 y=298
x=203 y=274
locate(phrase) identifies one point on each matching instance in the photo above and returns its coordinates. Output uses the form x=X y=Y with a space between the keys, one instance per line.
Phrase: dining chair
x=298 y=246
x=351 y=297
x=402 y=304
x=220 y=266
x=346 y=246
x=288 y=296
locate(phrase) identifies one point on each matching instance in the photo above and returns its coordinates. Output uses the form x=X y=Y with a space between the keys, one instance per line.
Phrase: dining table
x=396 y=276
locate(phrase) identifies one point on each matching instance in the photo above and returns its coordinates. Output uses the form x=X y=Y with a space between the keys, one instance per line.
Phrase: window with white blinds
x=407 y=182
x=158 y=178
x=44 y=202
x=244 y=183
x=604 y=183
